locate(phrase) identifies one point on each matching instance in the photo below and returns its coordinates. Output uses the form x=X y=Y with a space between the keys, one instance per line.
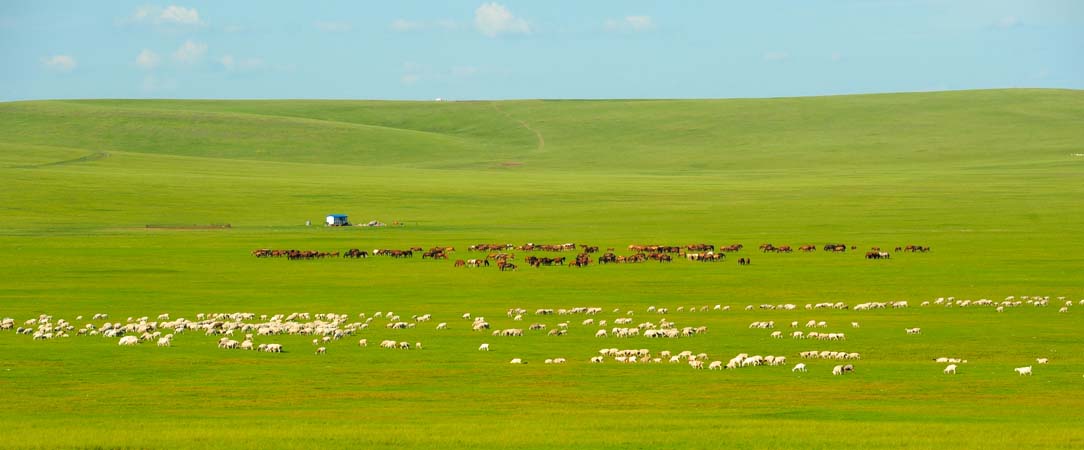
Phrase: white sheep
x=596 y=359
x=800 y=367
x=1042 y=360
x=128 y=340
x=715 y=365
x=837 y=370
x=777 y=334
x=442 y=326
x=321 y=350
x=483 y=348
x=363 y=343
x=697 y=364
x=1023 y=370
x=559 y=360
x=854 y=324
x=600 y=333
x=950 y=369
x=516 y=361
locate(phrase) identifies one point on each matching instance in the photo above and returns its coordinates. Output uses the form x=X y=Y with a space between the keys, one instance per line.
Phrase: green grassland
x=993 y=181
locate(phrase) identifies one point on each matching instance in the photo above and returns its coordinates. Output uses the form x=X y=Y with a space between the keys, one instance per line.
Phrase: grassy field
x=993 y=181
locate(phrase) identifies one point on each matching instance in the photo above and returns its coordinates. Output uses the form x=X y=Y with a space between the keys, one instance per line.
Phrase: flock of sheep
x=329 y=328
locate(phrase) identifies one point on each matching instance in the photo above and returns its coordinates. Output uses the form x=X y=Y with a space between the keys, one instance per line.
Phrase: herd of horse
x=500 y=256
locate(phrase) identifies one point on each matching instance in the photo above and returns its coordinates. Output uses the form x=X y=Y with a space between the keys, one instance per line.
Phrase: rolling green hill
x=993 y=181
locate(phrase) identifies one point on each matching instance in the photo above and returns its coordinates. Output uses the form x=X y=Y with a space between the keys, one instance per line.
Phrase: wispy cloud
x=776 y=56
x=232 y=64
x=493 y=19
x=190 y=52
x=629 y=23
x=148 y=59
x=333 y=26
x=836 y=57
x=404 y=25
x=60 y=63
x=169 y=15
x=1008 y=22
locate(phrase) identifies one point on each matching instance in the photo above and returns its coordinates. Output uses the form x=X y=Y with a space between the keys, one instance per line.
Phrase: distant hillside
x=871 y=132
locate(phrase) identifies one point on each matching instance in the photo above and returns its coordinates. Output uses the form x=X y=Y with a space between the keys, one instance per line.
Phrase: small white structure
x=337 y=220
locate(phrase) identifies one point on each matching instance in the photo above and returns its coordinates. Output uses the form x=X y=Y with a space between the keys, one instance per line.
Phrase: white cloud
x=180 y=15
x=234 y=28
x=776 y=56
x=240 y=64
x=170 y=15
x=629 y=23
x=492 y=19
x=333 y=27
x=410 y=78
x=61 y=63
x=406 y=25
x=464 y=71
x=148 y=59
x=190 y=52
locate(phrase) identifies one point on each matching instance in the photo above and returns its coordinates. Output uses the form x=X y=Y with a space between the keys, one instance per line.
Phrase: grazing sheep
x=404 y=345
x=442 y=326
x=1042 y=360
x=1023 y=370
x=777 y=334
x=848 y=368
x=596 y=359
x=321 y=350
x=715 y=365
x=516 y=361
x=363 y=343
x=483 y=347
x=417 y=345
x=854 y=324
x=697 y=364
x=913 y=330
x=128 y=340
x=165 y=341
x=800 y=367
x=548 y=361
x=837 y=370
x=600 y=333
x=559 y=360
x=950 y=369
x=246 y=345
x=274 y=348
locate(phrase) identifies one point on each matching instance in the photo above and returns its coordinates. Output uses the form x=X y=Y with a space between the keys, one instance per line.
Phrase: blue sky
x=539 y=49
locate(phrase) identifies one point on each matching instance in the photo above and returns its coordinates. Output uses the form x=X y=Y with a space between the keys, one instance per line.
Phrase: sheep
x=128 y=340
x=516 y=361
x=848 y=368
x=854 y=324
x=363 y=343
x=417 y=345
x=1042 y=360
x=404 y=345
x=1023 y=370
x=274 y=348
x=715 y=365
x=442 y=326
x=559 y=360
x=321 y=350
x=696 y=364
x=777 y=334
x=596 y=360
x=794 y=324
x=913 y=330
x=600 y=333
x=800 y=367
x=1063 y=309
x=165 y=341
x=950 y=369
x=837 y=370
x=483 y=348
